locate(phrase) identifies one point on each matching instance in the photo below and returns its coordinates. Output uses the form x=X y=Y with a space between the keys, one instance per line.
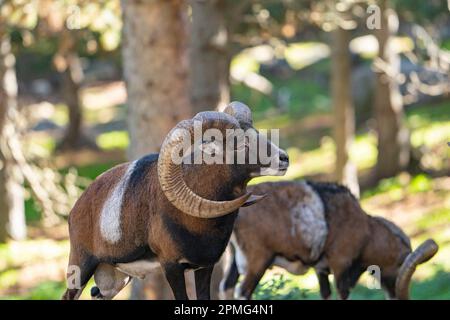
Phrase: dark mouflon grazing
x=152 y=210
x=321 y=225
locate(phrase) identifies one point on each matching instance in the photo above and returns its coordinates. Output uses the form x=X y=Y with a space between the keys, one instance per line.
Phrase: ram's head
x=226 y=138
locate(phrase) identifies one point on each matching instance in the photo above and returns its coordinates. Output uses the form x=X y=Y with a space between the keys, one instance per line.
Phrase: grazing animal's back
x=300 y=229
x=344 y=215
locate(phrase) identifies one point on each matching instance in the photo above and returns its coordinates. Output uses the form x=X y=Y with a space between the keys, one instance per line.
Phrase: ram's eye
x=210 y=147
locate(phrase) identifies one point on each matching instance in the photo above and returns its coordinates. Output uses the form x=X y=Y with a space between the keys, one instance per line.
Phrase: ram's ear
x=253 y=199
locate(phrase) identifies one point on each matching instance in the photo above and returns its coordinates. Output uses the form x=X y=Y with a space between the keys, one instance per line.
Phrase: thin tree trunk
x=209 y=56
x=69 y=65
x=393 y=135
x=210 y=72
x=344 y=113
x=155 y=61
x=71 y=80
x=12 y=211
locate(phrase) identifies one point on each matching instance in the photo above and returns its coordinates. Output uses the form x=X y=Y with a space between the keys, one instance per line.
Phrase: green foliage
x=400 y=183
x=434 y=218
x=93 y=170
x=279 y=287
x=113 y=140
x=426 y=114
x=306 y=98
x=32 y=211
x=421 y=11
x=51 y=290
x=436 y=287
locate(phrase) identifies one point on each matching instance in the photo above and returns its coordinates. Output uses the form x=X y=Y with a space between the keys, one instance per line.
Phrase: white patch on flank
x=308 y=220
x=112 y=209
x=241 y=260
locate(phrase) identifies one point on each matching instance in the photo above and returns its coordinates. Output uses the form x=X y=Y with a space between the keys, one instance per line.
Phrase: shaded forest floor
x=419 y=203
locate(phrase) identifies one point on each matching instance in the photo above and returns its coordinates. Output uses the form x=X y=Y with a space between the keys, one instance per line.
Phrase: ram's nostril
x=284 y=157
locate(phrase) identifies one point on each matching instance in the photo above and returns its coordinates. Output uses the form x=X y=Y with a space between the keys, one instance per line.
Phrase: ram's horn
x=423 y=253
x=170 y=174
x=240 y=111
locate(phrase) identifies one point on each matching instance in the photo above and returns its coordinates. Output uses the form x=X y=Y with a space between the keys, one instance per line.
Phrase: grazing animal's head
x=422 y=254
x=390 y=249
x=223 y=141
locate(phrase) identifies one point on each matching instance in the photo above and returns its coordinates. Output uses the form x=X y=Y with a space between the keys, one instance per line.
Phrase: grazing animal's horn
x=423 y=253
x=170 y=174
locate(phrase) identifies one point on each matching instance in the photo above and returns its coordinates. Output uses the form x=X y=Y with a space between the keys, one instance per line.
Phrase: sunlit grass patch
x=364 y=151
x=49 y=290
x=280 y=287
x=113 y=140
x=8 y=278
x=29 y=263
x=437 y=217
x=400 y=184
x=431 y=134
x=436 y=287
x=40 y=145
x=16 y=253
x=302 y=54
x=60 y=116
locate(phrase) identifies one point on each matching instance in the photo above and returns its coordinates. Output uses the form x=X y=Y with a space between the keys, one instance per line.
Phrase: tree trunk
x=155 y=59
x=209 y=56
x=155 y=68
x=344 y=113
x=69 y=65
x=71 y=80
x=209 y=73
x=393 y=135
x=12 y=210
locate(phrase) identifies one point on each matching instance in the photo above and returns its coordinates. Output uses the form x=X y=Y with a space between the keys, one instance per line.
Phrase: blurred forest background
x=358 y=88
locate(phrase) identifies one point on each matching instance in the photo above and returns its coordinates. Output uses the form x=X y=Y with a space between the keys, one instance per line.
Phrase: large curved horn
x=422 y=254
x=170 y=174
x=240 y=111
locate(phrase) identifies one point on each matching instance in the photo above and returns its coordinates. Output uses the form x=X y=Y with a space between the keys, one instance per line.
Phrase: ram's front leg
x=203 y=283
x=174 y=273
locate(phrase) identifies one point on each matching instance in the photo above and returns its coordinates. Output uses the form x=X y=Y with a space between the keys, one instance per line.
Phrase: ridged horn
x=170 y=173
x=240 y=112
x=422 y=254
